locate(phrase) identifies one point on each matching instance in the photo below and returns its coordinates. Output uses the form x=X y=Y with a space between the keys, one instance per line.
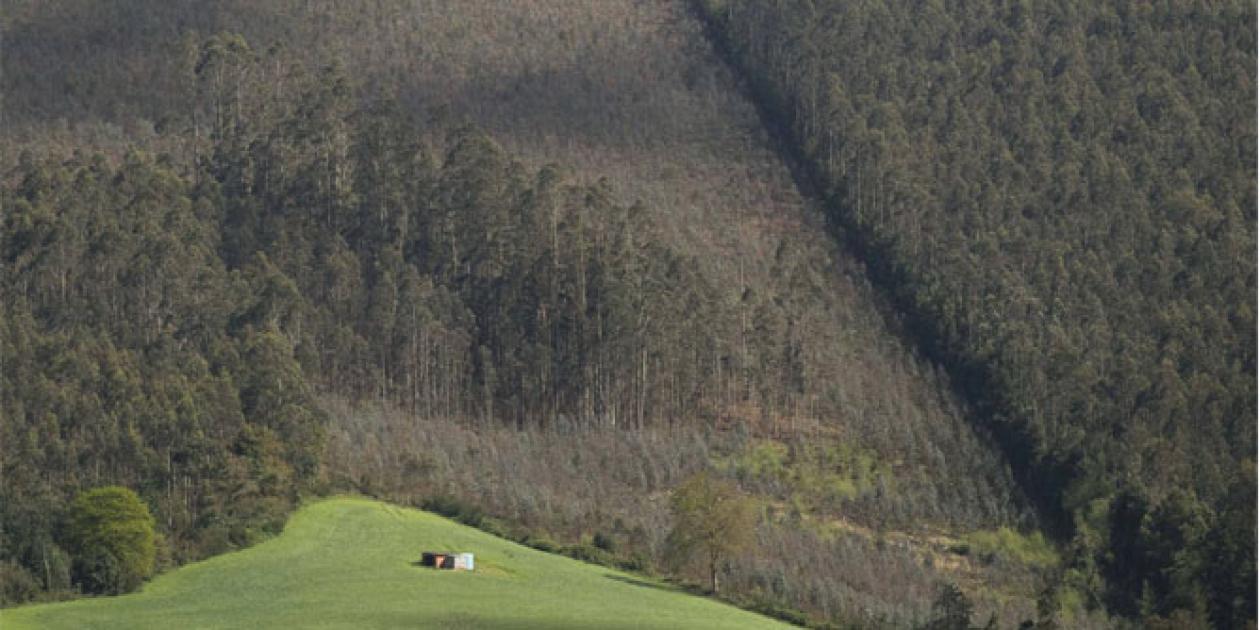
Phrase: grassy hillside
x=347 y=563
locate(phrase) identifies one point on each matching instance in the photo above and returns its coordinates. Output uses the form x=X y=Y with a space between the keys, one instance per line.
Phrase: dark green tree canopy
x=1061 y=198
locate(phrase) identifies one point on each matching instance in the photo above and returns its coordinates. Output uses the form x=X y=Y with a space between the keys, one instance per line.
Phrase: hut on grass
x=447 y=560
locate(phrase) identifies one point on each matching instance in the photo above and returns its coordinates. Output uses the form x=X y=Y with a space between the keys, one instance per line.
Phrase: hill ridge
x=316 y=575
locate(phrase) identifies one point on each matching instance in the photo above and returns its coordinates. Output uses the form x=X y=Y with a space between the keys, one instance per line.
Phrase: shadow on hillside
x=468 y=621
x=672 y=588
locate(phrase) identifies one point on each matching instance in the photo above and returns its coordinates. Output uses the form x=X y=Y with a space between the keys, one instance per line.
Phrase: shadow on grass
x=668 y=587
x=471 y=621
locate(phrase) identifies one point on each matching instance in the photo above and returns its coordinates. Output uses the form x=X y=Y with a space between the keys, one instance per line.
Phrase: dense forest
x=531 y=264
x=1063 y=195
x=434 y=317
x=322 y=251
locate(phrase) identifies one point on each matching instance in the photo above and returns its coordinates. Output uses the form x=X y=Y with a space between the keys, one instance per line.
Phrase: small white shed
x=464 y=561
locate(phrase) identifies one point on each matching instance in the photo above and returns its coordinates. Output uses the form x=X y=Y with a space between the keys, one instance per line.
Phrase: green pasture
x=348 y=563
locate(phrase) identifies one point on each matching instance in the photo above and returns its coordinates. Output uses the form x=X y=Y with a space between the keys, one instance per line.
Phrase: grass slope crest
x=351 y=563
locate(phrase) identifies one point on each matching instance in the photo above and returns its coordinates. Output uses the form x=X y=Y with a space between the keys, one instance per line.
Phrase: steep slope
x=351 y=563
x=632 y=93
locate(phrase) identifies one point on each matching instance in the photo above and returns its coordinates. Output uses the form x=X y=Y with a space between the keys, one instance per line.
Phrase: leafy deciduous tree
x=110 y=532
x=712 y=518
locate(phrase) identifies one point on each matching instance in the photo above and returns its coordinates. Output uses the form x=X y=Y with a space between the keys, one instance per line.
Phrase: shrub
x=213 y=540
x=778 y=611
x=542 y=543
x=605 y=542
x=588 y=553
x=638 y=561
x=452 y=507
x=765 y=460
x=17 y=585
x=1030 y=550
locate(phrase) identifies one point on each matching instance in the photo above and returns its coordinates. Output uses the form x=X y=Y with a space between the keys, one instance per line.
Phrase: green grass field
x=347 y=563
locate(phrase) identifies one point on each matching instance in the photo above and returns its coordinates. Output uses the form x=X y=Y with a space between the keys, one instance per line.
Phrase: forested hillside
x=531 y=260
x=532 y=263
x=1064 y=197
